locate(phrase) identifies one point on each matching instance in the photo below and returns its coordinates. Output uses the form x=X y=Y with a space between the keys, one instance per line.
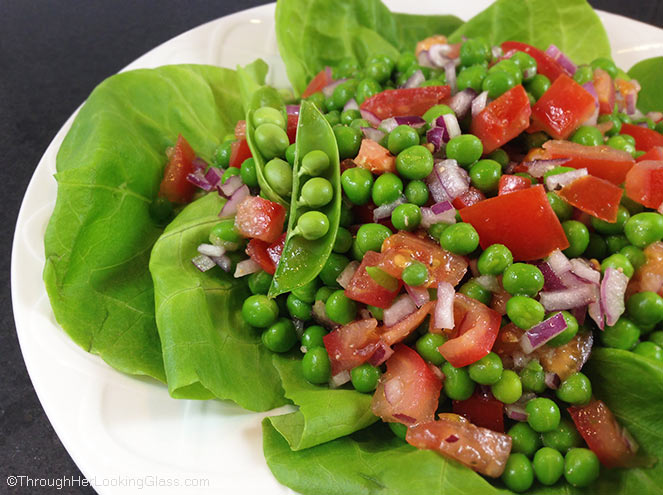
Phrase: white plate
x=124 y=432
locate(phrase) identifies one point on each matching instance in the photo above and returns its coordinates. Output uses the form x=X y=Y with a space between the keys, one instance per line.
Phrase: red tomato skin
x=413 y=389
x=363 y=288
x=656 y=154
x=644 y=183
x=260 y=218
x=240 y=129
x=605 y=90
x=174 y=186
x=475 y=331
x=375 y=158
x=351 y=345
x=404 y=102
x=523 y=221
x=470 y=197
x=239 y=152
x=481 y=410
x=258 y=252
x=396 y=333
x=322 y=79
x=502 y=119
x=645 y=139
x=293 y=120
x=595 y=196
x=603 y=434
x=510 y=183
x=546 y=65
x=563 y=108
x=600 y=161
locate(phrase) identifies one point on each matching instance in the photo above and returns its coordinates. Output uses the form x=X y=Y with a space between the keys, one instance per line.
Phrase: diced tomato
x=375 y=158
x=545 y=64
x=611 y=443
x=502 y=119
x=257 y=251
x=352 y=345
x=400 y=249
x=407 y=101
x=625 y=89
x=174 y=186
x=644 y=183
x=600 y=161
x=240 y=129
x=470 y=197
x=563 y=108
x=595 y=196
x=364 y=289
x=239 y=151
x=481 y=410
x=396 y=333
x=260 y=218
x=480 y=449
x=292 y=127
x=509 y=183
x=605 y=90
x=523 y=221
x=656 y=153
x=409 y=391
x=322 y=79
x=475 y=331
x=275 y=250
x=649 y=277
x=645 y=138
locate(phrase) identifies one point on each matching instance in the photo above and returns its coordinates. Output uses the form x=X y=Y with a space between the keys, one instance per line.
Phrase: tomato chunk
x=470 y=197
x=400 y=249
x=649 y=277
x=612 y=444
x=605 y=90
x=480 y=449
x=600 y=161
x=409 y=391
x=240 y=129
x=352 y=345
x=502 y=119
x=523 y=221
x=404 y=102
x=364 y=289
x=563 y=108
x=481 y=410
x=509 y=183
x=595 y=196
x=174 y=186
x=258 y=252
x=293 y=120
x=239 y=151
x=375 y=158
x=645 y=138
x=644 y=183
x=260 y=218
x=322 y=79
x=656 y=153
x=545 y=64
x=396 y=333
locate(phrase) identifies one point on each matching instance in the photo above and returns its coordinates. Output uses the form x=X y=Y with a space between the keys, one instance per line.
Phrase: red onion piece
x=388 y=125
x=384 y=211
x=441 y=207
x=211 y=250
x=351 y=105
x=231 y=185
x=452 y=439
x=403 y=306
x=405 y=419
x=439 y=53
x=542 y=333
x=373 y=134
x=329 y=89
x=516 y=412
x=488 y=282
x=381 y=354
x=631 y=100
x=347 y=274
x=551 y=281
x=413 y=121
x=393 y=390
x=561 y=180
x=451 y=125
x=230 y=208
x=199 y=164
x=370 y=117
x=479 y=103
x=613 y=288
x=558 y=262
x=435 y=188
x=419 y=295
x=552 y=380
x=559 y=57
x=461 y=102
x=435 y=136
x=529 y=73
x=292 y=109
x=319 y=314
x=424 y=59
x=454 y=179
x=444 y=308
x=339 y=379
x=213 y=176
x=415 y=80
x=569 y=298
x=197 y=178
x=429 y=218
x=203 y=263
x=579 y=314
x=497 y=51
x=655 y=116
x=246 y=267
x=224 y=262
x=536 y=168
x=450 y=73
x=583 y=270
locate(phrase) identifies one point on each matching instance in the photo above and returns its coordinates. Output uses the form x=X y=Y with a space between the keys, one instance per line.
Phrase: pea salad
x=451 y=250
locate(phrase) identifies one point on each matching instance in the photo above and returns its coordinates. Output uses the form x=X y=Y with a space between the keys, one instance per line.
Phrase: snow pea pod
x=263 y=97
x=302 y=258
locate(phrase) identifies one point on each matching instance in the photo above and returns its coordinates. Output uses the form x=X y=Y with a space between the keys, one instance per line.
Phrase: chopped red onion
x=450 y=73
x=631 y=100
x=561 y=180
x=579 y=314
x=393 y=390
x=569 y=298
x=246 y=267
x=488 y=282
x=388 y=125
x=419 y=295
x=536 y=168
x=424 y=59
x=292 y=109
x=520 y=360
x=551 y=281
x=351 y=105
x=339 y=379
x=435 y=188
x=444 y=308
x=413 y=121
x=441 y=207
x=211 y=250
x=403 y=306
x=655 y=116
x=329 y=89
x=583 y=270
x=452 y=438
x=529 y=73
x=319 y=314
x=496 y=51
x=461 y=102
x=516 y=412
x=346 y=275
x=613 y=288
x=373 y=134
x=429 y=218
x=203 y=262
x=199 y=164
x=230 y=208
x=558 y=262
x=231 y=185
x=213 y=176
x=384 y=211
x=439 y=54
x=197 y=178
x=415 y=80
x=435 y=136
x=591 y=89
x=454 y=179
x=540 y=334
x=381 y=354
x=370 y=117
x=552 y=380
x=405 y=419
x=559 y=57
x=224 y=262
x=479 y=103
x=451 y=125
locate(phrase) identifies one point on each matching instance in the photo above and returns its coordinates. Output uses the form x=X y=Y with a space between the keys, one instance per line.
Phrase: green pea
x=259 y=282
x=415 y=162
x=457 y=383
x=378 y=313
x=415 y=274
x=518 y=474
x=405 y=60
x=359 y=123
x=643 y=229
x=471 y=77
x=614 y=120
x=487 y=370
x=508 y=388
x=342 y=94
x=416 y=192
x=259 y=311
x=269 y=115
x=406 y=217
x=271 y=140
x=333 y=117
x=248 y=172
x=313 y=337
x=280 y=336
x=624 y=334
x=340 y=308
x=650 y=350
x=312 y=225
x=584 y=74
x=587 y=135
x=617 y=227
x=297 y=308
x=230 y=171
x=659 y=128
x=161 y=210
x=347 y=67
x=465 y=149
x=527 y=176
x=615 y=243
x=348 y=141
x=278 y=173
x=474 y=290
x=314 y=163
x=370 y=236
x=357 y=183
x=474 y=51
x=223 y=153
x=578 y=236
x=497 y=83
x=635 y=256
x=570 y=332
x=318 y=99
x=657 y=338
x=619 y=262
x=607 y=65
x=290 y=154
x=334 y=265
x=378 y=71
x=316 y=367
x=543 y=414
x=428 y=347
x=581 y=467
x=343 y=241
x=494 y=260
x=522 y=279
x=348 y=116
x=562 y=438
x=526 y=63
x=398 y=429
x=401 y=138
x=436 y=111
x=387 y=188
x=485 y=175
x=436 y=230
x=365 y=378
x=538 y=85
x=576 y=389
x=316 y=192
x=619 y=143
x=645 y=308
x=509 y=66
x=533 y=377
x=323 y=293
x=225 y=231
x=548 y=466
x=597 y=247
x=367 y=88
x=500 y=156
x=307 y=291
x=524 y=439
x=460 y=238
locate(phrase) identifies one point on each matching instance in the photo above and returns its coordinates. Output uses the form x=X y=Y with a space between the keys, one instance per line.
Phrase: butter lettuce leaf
x=649 y=73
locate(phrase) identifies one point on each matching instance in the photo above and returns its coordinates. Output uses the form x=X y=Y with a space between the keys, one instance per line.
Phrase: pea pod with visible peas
x=311 y=228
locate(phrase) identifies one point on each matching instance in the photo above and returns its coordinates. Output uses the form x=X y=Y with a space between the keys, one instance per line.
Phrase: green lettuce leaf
x=251 y=78
x=323 y=414
x=109 y=168
x=649 y=73
x=413 y=28
x=208 y=348
x=572 y=25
